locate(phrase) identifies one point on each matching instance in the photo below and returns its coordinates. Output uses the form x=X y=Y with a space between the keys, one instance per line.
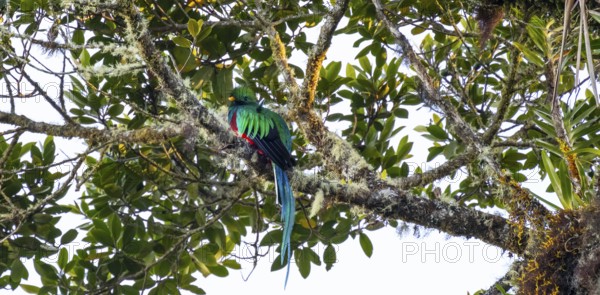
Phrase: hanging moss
x=554 y=254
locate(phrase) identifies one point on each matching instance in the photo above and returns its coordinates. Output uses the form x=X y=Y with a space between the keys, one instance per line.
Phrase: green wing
x=252 y=123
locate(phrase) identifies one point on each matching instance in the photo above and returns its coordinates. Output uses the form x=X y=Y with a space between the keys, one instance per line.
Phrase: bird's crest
x=242 y=94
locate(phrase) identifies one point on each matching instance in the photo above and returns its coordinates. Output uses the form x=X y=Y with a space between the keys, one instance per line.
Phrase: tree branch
x=439 y=172
x=389 y=202
x=318 y=53
x=561 y=133
x=336 y=151
x=525 y=206
x=378 y=196
x=170 y=83
x=145 y=135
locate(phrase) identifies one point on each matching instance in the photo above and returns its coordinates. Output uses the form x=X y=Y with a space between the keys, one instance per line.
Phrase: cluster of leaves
x=157 y=215
x=27 y=181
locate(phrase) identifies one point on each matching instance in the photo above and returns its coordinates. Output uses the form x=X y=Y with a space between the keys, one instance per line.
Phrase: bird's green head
x=242 y=95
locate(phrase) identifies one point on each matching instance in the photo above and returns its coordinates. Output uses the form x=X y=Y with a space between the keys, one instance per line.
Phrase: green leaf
x=45 y=270
x=555 y=181
x=365 y=244
x=102 y=235
x=329 y=257
x=86 y=120
x=115 y=227
x=350 y=72
x=42 y=218
x=401 y=113
x=194 y=289
x=417 y=30
x=586 y=151
x=595 y=15
x=18 y=271
x=205 y=32
x=218 y=270
x=78 y=37
x=223 y=84
x=272 y=238
x=27 y=5
x=78 y=99
x=49 y=150
x=535 y=29
x=68 y=237
x=434 y=151
x=365 y=64
x=182 y=42
x=277 y=264
x=303 y=262
x=363 y=51
x=438 y=132
x=30 y=289
x=232 y=264
x=530 y=55
x=193 y=27
x=84 y=58
x=63 y=258
x=115 y=110
x=565 y=185
x=201 y=76
x=333 y=70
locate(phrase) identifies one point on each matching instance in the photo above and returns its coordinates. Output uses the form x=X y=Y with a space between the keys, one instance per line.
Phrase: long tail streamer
x=288 y=206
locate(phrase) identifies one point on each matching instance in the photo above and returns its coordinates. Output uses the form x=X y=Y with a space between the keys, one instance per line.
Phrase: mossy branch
x=507 y=94
x=146 y=135
x=462 y=129
x=170 y=82
x=318 y=53
x=561 y=133
x=380 y=197
x=390 y=202
x=336 y=151
x=436 y=173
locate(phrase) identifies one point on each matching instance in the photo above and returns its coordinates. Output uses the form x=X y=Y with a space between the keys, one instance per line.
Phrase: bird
x=269 y=133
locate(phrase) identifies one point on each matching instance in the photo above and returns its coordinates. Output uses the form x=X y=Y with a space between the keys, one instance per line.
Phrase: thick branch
x=389 y=202
x=145 y=135
x=170 y=83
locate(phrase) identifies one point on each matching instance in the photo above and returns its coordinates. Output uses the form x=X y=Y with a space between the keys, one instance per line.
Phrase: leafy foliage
x=157 y=211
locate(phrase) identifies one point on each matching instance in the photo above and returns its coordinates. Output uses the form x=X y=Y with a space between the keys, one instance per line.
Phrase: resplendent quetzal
x=267 y=131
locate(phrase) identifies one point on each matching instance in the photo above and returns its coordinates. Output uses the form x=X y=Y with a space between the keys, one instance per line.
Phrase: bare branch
x=48 y=99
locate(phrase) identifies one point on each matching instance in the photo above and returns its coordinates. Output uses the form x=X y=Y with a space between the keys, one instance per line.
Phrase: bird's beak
x=231 y=98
